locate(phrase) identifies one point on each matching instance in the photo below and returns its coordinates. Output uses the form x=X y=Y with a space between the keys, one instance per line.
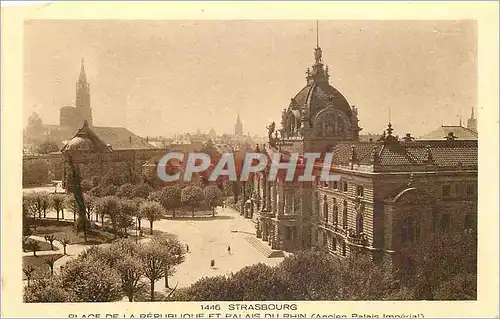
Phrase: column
x=288 y=203
x=281 y=202
x=269 y=196
x=274 y=198
x=259 y=228
x=264 y=193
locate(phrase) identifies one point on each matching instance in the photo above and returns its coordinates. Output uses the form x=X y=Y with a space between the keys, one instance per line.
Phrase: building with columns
x=392 y=192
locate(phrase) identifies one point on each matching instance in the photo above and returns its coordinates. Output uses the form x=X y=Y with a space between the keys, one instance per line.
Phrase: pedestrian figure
x=229 y=249
x=187 y=248
x=212 y=263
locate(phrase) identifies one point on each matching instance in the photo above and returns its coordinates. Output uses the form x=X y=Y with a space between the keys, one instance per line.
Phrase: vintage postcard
x=250 y=160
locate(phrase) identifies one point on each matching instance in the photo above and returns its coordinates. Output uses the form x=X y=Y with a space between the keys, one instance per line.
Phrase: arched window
x=335 y=212
x=359 y=223
x=325 y=209
x=344 y=215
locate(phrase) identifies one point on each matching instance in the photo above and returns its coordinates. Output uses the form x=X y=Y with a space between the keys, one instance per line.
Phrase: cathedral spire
x=83 y=77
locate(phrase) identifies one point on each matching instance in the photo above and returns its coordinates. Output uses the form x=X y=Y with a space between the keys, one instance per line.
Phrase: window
x=359 y=223
x=325 y=209
x=334 y=243
x=344 y=215
x=359 y=191
x=446 y=190
x=460 y=189
x=470 y=222
x=335 y=212
x=335 y=185
x=345 y=188
x=445 y=222
x=343 y=249
x=288 y=233
x=471 y=188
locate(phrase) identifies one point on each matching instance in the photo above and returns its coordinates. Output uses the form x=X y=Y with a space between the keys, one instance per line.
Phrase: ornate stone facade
x=391 y=192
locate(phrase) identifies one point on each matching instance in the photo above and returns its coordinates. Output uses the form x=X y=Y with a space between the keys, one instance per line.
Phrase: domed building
x=319 y=111
x=388 y=195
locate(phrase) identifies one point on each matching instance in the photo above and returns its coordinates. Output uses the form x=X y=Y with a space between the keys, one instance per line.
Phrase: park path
x=207 y=238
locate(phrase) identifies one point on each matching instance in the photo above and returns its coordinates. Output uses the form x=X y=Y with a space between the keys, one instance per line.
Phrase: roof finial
x=460 y=117
x=317 y=33
x=472 y=114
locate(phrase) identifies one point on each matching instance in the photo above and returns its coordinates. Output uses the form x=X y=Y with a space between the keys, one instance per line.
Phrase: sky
x=171 y=76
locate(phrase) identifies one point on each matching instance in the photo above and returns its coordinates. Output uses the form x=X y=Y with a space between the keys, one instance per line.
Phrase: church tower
x=238 y=127
x=82 y=101
x=472 y=122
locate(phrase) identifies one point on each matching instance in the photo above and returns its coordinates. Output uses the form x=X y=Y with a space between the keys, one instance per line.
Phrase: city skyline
x=408 y=73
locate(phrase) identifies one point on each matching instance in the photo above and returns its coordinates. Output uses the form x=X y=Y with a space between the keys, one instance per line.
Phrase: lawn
x=43 y=246
x=42 y=269
x=64 y=229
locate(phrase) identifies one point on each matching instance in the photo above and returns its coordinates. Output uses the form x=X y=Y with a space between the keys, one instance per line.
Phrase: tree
x=47 y=147
x=50 y=262
x=91 y=280
x=108 y=190
x=34 y=204
x=91 y=206
x=34 y=246
x=152 y=211
x=260 y=282
x=110 y=206
x=154 y=261
x=126 y=217
x=58 y=203
x=123 y=255
x=35 y=172
x=193 y=197
x=46 y=203
x=131 y=272
x=318 y=278
x=214 y=197
x=64 y=242
x=72 y=205
x=47 y=290
x=126 y=191
x=28 y=272
x=208 y=289
x=171 y=198
x=50 y=239
x=175 y=254
x=437 y=259
x=458 y=287
x=26 y=217
x=138 y=214
x=142 y=190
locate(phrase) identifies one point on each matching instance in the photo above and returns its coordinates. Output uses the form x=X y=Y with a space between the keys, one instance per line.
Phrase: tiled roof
x=443 y=153
x=86 y=140
x=121 y=138
x=460 y=132
x=116 y=137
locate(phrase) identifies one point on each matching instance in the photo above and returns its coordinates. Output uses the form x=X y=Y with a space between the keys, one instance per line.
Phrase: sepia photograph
x=250 y=160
